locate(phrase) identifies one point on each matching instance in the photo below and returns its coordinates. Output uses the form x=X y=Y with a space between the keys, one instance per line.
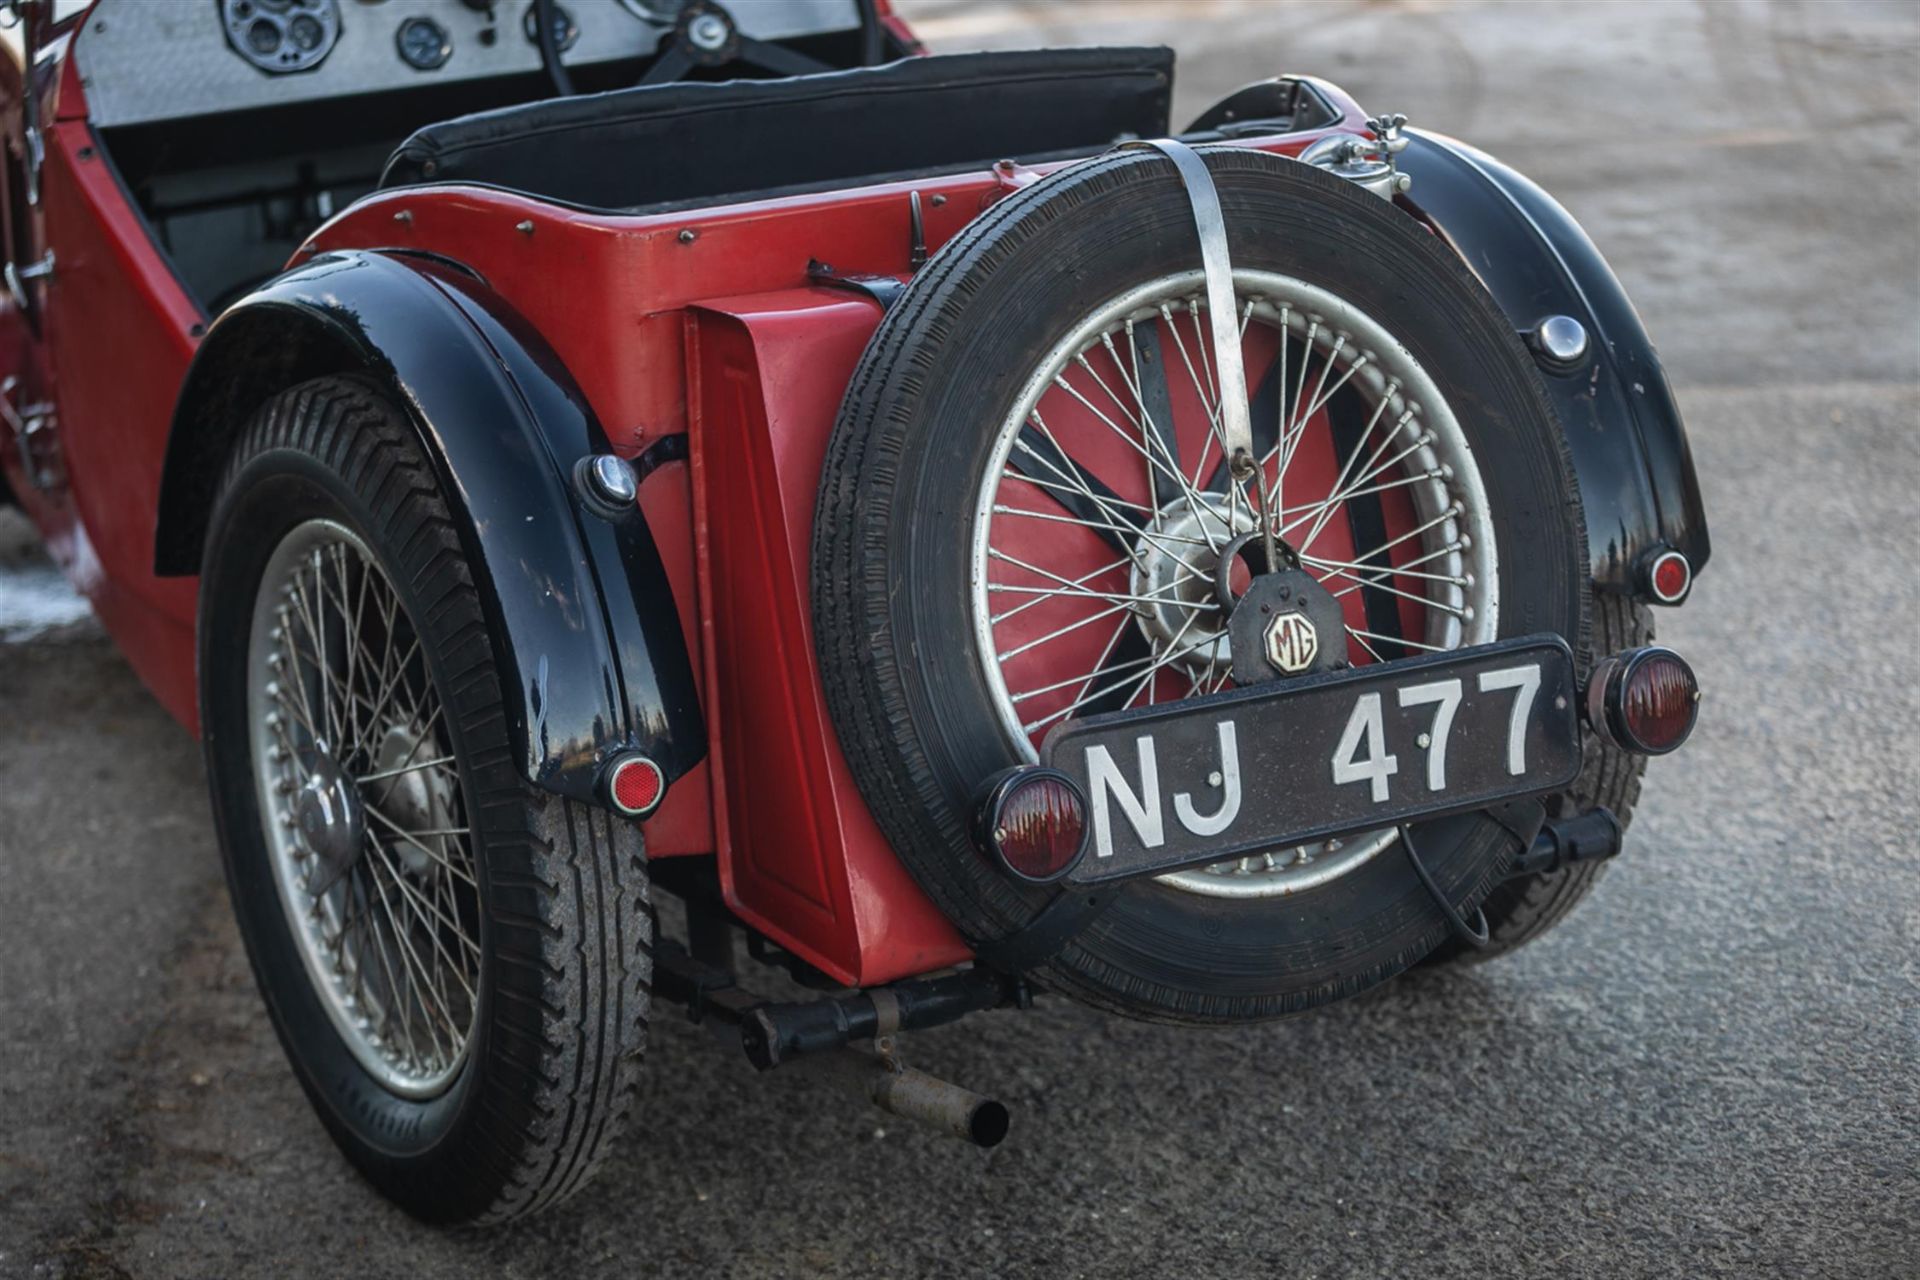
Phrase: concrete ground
x=1710 y=1069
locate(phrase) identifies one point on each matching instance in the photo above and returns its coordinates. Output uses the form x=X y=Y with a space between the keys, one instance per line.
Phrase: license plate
x=1292 y=761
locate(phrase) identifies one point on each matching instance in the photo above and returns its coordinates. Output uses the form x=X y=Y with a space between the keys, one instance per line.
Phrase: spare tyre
x=1024 y=502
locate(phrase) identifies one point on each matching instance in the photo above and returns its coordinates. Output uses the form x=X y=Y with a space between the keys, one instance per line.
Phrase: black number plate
x=1280 y=764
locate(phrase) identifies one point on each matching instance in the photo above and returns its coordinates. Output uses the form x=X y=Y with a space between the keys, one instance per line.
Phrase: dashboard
x=143 y=61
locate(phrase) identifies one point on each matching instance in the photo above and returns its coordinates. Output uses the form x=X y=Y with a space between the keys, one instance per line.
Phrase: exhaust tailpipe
x=915 y=1095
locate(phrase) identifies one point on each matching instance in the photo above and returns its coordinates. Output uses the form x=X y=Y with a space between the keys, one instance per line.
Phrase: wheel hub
x=330 y=817
x=1174 y=570
x=421 y=800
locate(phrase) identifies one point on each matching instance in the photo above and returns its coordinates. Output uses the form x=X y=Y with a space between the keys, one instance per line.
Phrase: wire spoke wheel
x=364 y=815
x=1107 y=508
x=451 y=955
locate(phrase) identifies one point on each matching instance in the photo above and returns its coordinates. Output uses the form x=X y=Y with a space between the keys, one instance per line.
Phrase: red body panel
x=702 y=322
x=800 y=856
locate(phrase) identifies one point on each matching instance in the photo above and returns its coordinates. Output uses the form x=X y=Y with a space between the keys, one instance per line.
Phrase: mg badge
x=1291 y=643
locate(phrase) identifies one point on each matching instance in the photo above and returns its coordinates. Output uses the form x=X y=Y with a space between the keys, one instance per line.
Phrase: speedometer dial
x=423 y=43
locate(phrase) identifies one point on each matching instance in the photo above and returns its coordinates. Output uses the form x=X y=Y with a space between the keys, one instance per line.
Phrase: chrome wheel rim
x=1136 y=510
x=362 y=809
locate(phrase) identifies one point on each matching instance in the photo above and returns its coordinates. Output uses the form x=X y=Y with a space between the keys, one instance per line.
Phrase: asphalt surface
x=1710 y=1069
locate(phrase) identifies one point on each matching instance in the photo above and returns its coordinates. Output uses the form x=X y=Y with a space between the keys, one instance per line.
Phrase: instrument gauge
x=565 y=29
x=281 y=36
x=423 y=43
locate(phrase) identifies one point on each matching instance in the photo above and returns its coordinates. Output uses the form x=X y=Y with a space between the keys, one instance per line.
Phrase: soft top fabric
x=684 y=143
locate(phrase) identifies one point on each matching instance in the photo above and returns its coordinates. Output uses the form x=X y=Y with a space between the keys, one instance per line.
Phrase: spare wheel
x=1008 y=536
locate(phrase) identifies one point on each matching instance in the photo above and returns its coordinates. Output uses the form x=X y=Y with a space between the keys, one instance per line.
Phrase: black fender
x=1629 y=448
x=585 y=631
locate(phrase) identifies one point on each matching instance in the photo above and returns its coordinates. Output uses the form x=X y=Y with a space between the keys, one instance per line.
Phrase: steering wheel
x=706 y=35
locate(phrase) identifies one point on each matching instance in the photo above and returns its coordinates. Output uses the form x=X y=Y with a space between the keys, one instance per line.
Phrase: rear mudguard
x=1629 y=448
x=585 y=633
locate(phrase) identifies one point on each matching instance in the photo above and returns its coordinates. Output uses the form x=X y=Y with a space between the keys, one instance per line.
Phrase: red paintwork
x=801 y=858
x=711 y=329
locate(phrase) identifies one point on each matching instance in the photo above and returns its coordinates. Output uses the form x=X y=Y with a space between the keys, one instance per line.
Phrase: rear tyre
x=457 y=964
x=1520 y=910
x=918 y=674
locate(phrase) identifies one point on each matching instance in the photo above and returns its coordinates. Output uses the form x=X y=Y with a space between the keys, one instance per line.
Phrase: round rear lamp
x=1669 y=577
x=1033 y=822
x=635 y=785
x=1644 y=700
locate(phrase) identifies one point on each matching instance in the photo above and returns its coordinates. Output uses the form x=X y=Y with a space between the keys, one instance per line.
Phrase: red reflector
x=1670 y=577
x=1035 y=823
x=636 y=786
x=1659 y=702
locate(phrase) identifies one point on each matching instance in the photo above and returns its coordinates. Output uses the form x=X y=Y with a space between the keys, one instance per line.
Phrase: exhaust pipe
x=914 y=1095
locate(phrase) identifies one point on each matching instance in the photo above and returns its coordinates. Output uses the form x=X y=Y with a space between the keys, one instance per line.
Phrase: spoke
x=349 y=697
x=1451 y=513
x=428 y=914
x=1056 y=487
x=1411 y=644
x=1159 y=541
x=1100 y=669
x=394 y=993
x=1208 y=402
x=1157 y=538
x=321 y=719
x=391 y=685
x=1294 y=416
x=332 y=716
x=397 y=770
x=1172 y=474
x=1145 y=680
x=1421 y=477
x=1365 y=573
x=435 y=854
x=354 y=737
x=1367 y=468
x=1314 y=402
x=1173 y=654
x=1150 y=598
x=1126 y=640
x=1323 y=395
x=1372 y=469
x=1081 y=494
x=1081 y=581
x=1202 y=607
x=1087 y=621
x=412 y=959
x=406 y=761
x=303 y=709
x=1441 y=605
x=1164 y=479
x=1361 y=636
x=1210 y=680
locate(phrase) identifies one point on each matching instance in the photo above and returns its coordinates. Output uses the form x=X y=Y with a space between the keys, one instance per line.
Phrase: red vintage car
x=939 y=522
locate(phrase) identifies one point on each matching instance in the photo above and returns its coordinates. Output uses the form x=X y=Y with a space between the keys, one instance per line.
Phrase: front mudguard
x=584 y=628
x=1629 y=449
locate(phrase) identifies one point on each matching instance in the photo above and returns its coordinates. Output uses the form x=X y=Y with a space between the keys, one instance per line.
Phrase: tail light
x=1643 y=700
x=1033 y=822
x=634 y=785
